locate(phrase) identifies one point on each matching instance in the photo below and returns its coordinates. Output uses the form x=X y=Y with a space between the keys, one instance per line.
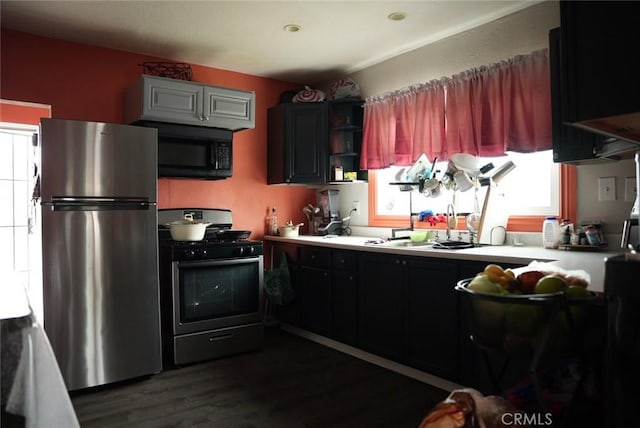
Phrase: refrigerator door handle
x=98 y=204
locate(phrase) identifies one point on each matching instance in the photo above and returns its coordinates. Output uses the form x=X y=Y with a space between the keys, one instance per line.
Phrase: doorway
x=20 y=234
x=20 y=231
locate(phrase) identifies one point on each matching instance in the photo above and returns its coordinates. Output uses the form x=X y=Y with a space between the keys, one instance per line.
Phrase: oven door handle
x=215 y=262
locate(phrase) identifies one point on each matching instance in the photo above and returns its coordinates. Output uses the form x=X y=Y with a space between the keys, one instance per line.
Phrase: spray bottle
x=271 y=222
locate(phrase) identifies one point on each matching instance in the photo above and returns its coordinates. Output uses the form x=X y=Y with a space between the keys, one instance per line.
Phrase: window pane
x=6 y=156
x=532 y=188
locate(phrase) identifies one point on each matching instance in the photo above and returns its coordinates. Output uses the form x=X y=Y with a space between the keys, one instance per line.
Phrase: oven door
x=212 y=294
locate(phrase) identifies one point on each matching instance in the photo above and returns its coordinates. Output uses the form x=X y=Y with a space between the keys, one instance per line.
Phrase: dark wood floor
x=292 y=382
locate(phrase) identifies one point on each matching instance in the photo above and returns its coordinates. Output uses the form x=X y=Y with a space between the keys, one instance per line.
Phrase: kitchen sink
x=406 y=243
x=438 y=245
x=456 y=245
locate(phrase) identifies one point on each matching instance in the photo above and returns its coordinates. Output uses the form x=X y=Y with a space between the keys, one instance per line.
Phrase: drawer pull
x=214 y=338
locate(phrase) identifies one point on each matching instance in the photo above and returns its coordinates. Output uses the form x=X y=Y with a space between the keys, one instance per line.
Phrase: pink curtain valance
x=485 y=111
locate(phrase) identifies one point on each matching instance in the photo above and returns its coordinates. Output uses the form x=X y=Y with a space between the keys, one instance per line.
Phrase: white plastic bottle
x=550 y=232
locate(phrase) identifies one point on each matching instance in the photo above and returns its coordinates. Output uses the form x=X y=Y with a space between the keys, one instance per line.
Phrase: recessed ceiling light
x=397 y=16
x=292 y=28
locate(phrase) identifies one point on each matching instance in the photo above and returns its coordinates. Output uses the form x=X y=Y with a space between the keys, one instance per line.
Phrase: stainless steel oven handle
x=215 y=262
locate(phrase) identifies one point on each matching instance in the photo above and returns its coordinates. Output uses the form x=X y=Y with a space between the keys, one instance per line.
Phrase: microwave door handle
x=213 y=156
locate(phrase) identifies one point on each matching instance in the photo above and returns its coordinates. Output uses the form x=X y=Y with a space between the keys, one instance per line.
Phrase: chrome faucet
x=402 y=229
x=451 y=213
x=411 y=214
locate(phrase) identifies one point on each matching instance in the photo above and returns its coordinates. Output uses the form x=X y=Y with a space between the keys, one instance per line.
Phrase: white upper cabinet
x=178 y=101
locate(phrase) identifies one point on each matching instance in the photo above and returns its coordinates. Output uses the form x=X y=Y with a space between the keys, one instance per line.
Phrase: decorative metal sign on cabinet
x=177 y=101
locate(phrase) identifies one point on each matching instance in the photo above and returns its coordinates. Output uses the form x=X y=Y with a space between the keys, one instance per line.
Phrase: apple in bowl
x=526 y=281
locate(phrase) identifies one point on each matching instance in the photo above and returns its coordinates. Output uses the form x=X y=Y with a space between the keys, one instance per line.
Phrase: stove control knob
x=240 y=251
x=251 y=250
x=202 y=253
x=190 y=253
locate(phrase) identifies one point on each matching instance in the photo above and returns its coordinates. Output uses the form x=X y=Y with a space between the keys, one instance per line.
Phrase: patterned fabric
x=308 y=95
x=345 y=88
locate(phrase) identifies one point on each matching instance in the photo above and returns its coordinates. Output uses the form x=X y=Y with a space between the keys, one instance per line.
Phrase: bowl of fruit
x=520 y=313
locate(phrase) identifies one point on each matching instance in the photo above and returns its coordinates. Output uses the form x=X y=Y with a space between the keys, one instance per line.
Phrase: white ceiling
x=337 y=37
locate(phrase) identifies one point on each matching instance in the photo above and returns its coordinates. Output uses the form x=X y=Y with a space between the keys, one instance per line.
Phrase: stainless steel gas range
x=211 y=290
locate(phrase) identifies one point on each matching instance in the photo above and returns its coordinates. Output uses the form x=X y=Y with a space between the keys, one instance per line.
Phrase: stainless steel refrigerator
x=98 y=186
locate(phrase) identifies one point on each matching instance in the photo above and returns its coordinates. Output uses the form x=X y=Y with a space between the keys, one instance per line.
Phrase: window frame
x=519 y=223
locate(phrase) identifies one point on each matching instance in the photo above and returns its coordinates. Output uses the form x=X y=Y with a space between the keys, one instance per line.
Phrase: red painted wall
x=87 y=83
x=23 y=113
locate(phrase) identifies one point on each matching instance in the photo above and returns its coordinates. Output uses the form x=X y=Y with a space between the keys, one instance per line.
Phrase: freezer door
x=92 y=159
x=101 y=295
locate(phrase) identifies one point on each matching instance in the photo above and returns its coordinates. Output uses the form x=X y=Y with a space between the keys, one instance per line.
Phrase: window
x=19 y=233
x=537 y=187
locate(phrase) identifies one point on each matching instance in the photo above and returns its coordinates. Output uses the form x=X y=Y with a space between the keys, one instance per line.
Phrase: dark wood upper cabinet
x=297 y=143
x=309 y=142
x=570 y=144
x=345 y=139
x=600 y=84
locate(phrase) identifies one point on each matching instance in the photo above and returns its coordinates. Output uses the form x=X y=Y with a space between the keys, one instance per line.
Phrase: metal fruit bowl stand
x=540 y=328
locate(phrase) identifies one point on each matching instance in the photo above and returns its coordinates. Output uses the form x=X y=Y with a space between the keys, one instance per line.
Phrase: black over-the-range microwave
x=186 y=151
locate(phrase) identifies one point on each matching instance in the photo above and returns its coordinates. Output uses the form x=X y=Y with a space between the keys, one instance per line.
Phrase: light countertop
x=591 y=262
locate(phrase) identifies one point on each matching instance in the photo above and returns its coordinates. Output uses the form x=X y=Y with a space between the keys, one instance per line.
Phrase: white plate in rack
x=420 y=168
x=467 y=163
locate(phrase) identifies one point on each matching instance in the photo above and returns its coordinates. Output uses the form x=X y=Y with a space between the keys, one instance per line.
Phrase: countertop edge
x=590 y=262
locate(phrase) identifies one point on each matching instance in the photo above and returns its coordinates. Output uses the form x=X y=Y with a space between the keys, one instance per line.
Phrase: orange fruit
x=494 y=272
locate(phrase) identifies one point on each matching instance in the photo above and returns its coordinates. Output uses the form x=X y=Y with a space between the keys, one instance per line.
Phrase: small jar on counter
x=575 y=238
x=592 y=235
x=550 y=232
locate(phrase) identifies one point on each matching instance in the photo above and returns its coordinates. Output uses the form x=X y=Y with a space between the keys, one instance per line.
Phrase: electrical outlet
x=607 y=189
x=356 y=208
x=630 y=189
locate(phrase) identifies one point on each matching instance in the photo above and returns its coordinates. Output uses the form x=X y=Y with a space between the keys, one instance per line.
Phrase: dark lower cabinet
x=381 y=300
x=408 y=311
x=432 y=317
x=315 y=300
x=344 y=296
x=314 y=285
x=403 y=308
x=289 y=313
